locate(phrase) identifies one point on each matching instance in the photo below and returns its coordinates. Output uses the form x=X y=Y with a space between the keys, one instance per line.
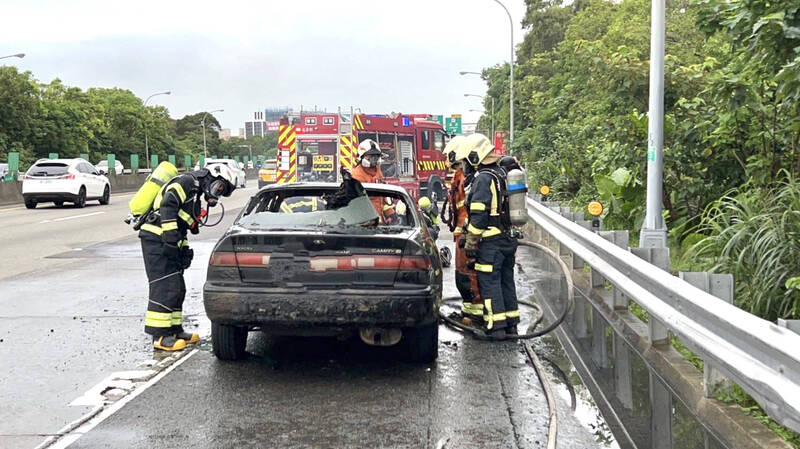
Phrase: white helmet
x=368 y=148
x=223 y=183
x=478 y=148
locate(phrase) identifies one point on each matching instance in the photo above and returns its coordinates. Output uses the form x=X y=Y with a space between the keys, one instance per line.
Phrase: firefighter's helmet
x=479 y=148
x=424 y=203
x=368 y=147
x=451 y=149
x=222 y=185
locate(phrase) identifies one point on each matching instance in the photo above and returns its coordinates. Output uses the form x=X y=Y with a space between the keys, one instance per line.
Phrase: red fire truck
x=412 y=149
x=411 y=144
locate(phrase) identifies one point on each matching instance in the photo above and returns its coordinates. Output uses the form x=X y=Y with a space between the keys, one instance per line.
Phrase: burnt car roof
x=331 y=185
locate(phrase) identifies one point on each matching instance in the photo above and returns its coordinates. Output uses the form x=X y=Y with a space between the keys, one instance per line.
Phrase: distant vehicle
x=288 y=266
x=102 y=167
x=268 y=173
x=240 y=178
x=3 y=171
x=64 y=180
x=250 y=164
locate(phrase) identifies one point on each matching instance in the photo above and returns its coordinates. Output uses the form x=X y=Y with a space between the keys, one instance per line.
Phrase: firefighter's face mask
x=214 y=191
x=473 y=158
x=370 y=160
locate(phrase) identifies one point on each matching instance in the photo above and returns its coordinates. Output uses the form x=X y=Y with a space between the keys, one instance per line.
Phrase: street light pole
x=146 y=146
x=18 y=55
x=203 y=123
x=511 y=87
x=654 y=231
x=249 y=147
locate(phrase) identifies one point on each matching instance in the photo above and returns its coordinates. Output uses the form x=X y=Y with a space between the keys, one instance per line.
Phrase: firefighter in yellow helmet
x=488 y=239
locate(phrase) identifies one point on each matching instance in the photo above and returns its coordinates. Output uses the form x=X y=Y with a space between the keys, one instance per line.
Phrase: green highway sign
x=438 y=118
x=452 y=124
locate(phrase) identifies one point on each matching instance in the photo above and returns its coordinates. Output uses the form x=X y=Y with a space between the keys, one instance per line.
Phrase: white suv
x=60 y=180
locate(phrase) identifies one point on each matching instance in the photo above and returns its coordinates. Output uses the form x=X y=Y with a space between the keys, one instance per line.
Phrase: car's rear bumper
x=41 y=197
x=345 y=308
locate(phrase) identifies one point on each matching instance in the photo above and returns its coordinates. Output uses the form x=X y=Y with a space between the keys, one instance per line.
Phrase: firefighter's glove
x=171 y=251
x=194 y=229
x=187 y=254
x=471 y=245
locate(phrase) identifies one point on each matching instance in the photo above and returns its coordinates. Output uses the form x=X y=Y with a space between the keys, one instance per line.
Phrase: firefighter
x=466 y=277
x=166 y=251
x=430 y=216
x=369 y=170
x=489 y=240
x=301 y=204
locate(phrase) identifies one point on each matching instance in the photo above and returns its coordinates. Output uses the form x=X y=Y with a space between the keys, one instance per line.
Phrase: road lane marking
x=81 y=426
x=70 y=218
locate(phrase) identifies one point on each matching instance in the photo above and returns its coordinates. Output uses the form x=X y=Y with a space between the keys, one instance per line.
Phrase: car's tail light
x=67 y=176
x=229 y=259
x=348 y=263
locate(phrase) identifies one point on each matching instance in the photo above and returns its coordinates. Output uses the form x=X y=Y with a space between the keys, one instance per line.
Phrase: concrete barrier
x=10 y=193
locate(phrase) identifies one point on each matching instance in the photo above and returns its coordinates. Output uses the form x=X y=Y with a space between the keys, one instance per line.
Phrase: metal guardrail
x=759 y=356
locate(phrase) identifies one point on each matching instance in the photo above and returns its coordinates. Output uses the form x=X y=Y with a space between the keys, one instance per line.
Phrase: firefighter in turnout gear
x=466 y=277
x=369 y=170
x=166 y=251
x=489 y=241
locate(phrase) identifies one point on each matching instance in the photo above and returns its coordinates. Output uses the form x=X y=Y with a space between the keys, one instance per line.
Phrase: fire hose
x=531 y=333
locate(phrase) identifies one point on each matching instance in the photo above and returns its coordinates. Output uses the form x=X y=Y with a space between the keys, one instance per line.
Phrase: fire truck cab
x=412 y=151
x=317 y=136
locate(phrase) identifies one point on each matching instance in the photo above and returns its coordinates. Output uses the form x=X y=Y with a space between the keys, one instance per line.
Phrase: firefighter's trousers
x=495 y=267
x=467 y=284
x=167 y=289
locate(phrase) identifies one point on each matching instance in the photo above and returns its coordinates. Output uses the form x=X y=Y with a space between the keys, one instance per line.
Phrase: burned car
x=293 y=263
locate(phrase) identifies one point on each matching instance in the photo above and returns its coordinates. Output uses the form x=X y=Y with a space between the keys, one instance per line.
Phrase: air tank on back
x=517 y=189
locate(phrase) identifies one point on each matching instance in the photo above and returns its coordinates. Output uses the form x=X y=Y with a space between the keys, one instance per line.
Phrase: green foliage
x=738 y=396
x=755 y=240
x=37 y=119
x=623 y=195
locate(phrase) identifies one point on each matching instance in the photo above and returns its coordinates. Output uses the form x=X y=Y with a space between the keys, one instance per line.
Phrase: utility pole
x=654 y=230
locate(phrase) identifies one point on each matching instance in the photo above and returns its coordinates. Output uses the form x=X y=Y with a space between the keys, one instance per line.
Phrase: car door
x=91 y=180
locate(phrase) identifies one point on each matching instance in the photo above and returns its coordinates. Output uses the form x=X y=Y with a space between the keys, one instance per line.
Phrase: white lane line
x=70 y=218
x=73 y=431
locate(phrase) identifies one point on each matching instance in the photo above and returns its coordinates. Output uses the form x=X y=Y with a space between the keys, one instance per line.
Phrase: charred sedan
x=291 y=264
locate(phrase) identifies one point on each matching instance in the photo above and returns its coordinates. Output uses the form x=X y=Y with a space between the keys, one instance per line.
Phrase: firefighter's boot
x=512 y=330
x=188 y=337
x=168 y=343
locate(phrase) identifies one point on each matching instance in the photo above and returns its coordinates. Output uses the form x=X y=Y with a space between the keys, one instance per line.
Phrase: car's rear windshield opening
x=271 y=166
x=48 y=169
x=309 y=208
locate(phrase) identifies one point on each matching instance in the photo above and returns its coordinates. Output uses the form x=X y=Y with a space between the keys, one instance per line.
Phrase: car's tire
x=81 y=201
x=421 y=344
x=228 y=342
x=261 y=184
x=437 y=192
x=58 y=203
x=30 y=204
x=106 y=198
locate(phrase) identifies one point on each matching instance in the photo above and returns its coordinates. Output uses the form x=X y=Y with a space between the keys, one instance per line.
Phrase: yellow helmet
x=424 y=203
x=479 y=146
x=452 y=147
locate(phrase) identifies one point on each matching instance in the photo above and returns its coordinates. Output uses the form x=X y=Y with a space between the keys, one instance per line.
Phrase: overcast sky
x=244 y=56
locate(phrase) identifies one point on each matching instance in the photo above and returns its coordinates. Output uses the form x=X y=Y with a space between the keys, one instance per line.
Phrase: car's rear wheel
x=58 y=203
x=228 y=342
x=30 y=204
x=106 y=196
x=422 y=343
x=81 y=201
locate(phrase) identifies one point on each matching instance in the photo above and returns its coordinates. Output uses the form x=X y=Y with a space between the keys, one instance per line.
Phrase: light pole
x=482 y=111
x=481 y=96
x=511 y=87
x=18 y=55
x=146 y=146
x=654 y=231
x=203 y=122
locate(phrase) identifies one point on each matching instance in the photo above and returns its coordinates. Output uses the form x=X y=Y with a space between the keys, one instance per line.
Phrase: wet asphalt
x=70 y=327
x=326 y=393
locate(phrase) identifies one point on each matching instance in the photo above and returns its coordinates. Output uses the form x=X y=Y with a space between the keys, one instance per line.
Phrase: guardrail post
x=659 y=334
x=721 y=286
x=623 y=376
x=661 y=409
x=621 y=239
x=599 y=347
